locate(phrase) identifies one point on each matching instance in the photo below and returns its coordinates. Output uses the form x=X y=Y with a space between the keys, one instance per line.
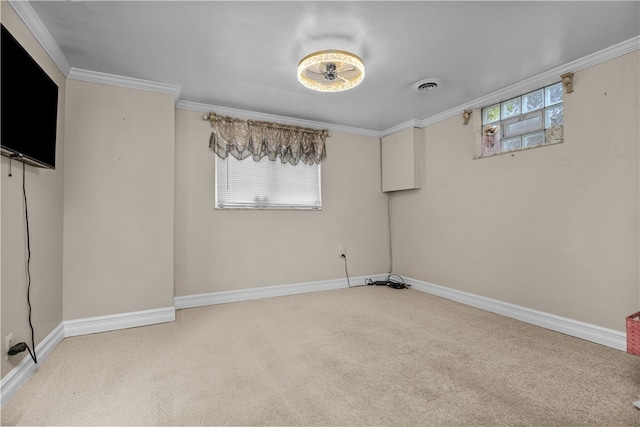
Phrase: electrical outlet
x=341 y=250
x=8 y=342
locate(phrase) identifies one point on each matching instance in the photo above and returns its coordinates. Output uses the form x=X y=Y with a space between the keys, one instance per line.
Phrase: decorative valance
x=256 y=139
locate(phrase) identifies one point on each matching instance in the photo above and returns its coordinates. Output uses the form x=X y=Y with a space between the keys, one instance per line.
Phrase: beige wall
x=554 y=228
x=45 y=203
x=219 y=250
x=119 y=169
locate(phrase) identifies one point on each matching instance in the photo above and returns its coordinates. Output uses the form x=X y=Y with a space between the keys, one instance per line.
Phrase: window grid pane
x=491 y=114
x=511 y=144
x=553 y=116
x=532 y=101
x=532 y=140
x=511 y=108
x=553 y=94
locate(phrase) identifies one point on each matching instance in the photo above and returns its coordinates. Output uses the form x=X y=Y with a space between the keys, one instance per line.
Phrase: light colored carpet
x=362 y=356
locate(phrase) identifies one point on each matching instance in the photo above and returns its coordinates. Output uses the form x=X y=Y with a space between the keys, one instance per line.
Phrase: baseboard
x=597 y=334
x=92 y=325
x=223 y=297
x=586 y=331
x=16 y=378
x=12 y=382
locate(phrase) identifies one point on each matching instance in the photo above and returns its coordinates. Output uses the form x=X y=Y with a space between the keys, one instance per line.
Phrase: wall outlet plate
x=341 y=250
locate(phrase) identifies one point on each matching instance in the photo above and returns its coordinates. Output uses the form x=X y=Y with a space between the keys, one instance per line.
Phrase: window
x=267 y=184
x=531 y=120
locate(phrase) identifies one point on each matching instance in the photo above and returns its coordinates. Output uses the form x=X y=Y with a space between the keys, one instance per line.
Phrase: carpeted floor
x=363 y=356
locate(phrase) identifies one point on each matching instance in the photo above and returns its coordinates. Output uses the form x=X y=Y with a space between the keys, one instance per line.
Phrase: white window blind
x=267 y=184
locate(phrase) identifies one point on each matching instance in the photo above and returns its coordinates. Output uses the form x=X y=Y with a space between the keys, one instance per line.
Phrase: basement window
x=531 y=120
x=266 y=184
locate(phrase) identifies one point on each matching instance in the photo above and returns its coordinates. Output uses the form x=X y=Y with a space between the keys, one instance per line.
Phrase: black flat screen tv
x=29 y=106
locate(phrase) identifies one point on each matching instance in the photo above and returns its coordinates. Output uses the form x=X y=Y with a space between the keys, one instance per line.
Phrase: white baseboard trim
x=113 y=322
x=12 y=382
x=16 y=378
x=597 y=334
x=224 y=297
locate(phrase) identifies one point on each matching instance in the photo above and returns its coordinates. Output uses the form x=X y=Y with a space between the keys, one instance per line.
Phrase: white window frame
x=286 y=200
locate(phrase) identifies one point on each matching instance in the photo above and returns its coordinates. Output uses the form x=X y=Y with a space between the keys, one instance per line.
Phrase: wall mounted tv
x=29 y=106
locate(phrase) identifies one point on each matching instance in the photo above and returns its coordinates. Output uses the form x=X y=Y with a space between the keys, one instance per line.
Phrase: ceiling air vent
x=426 y=85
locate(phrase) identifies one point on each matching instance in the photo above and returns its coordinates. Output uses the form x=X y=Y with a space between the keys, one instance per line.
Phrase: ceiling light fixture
x=331 y=71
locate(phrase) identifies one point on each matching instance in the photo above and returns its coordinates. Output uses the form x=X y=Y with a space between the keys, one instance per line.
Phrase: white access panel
x=401 y=160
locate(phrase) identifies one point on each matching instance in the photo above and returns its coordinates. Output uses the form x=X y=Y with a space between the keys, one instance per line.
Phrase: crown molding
x=24 y=10
x=31 y=20
x=253 y=115
x=128 y=82
x=603 y=55
x=536 y=82
x=543 y=79
x=402 y=126
x=546 y=78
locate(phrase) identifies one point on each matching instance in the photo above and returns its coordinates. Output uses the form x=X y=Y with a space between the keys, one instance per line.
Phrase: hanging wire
x=389 y=228
x=26 y=218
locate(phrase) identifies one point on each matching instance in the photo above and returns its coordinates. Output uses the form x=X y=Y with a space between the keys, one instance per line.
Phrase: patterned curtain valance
x=256 y=139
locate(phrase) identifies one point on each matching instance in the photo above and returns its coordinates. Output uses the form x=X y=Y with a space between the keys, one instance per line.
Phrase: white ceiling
x=244 y=55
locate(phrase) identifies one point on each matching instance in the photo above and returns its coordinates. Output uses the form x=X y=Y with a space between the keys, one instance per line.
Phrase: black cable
x=396 y=285
x=26 y=218
x=344 y=256
x=388 y=282
x=389 y=228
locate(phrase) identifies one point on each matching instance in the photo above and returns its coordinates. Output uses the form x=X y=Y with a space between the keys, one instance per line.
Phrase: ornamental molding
x=127 y=82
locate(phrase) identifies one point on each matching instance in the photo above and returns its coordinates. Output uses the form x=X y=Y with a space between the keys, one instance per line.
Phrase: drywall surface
x=45 y=210
x=552 y=228
x=118 y=221
x=220 y=250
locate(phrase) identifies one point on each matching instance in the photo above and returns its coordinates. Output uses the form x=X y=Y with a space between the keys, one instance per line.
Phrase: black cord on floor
x=26 y=218
x=388 y=282
x=394 y=284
